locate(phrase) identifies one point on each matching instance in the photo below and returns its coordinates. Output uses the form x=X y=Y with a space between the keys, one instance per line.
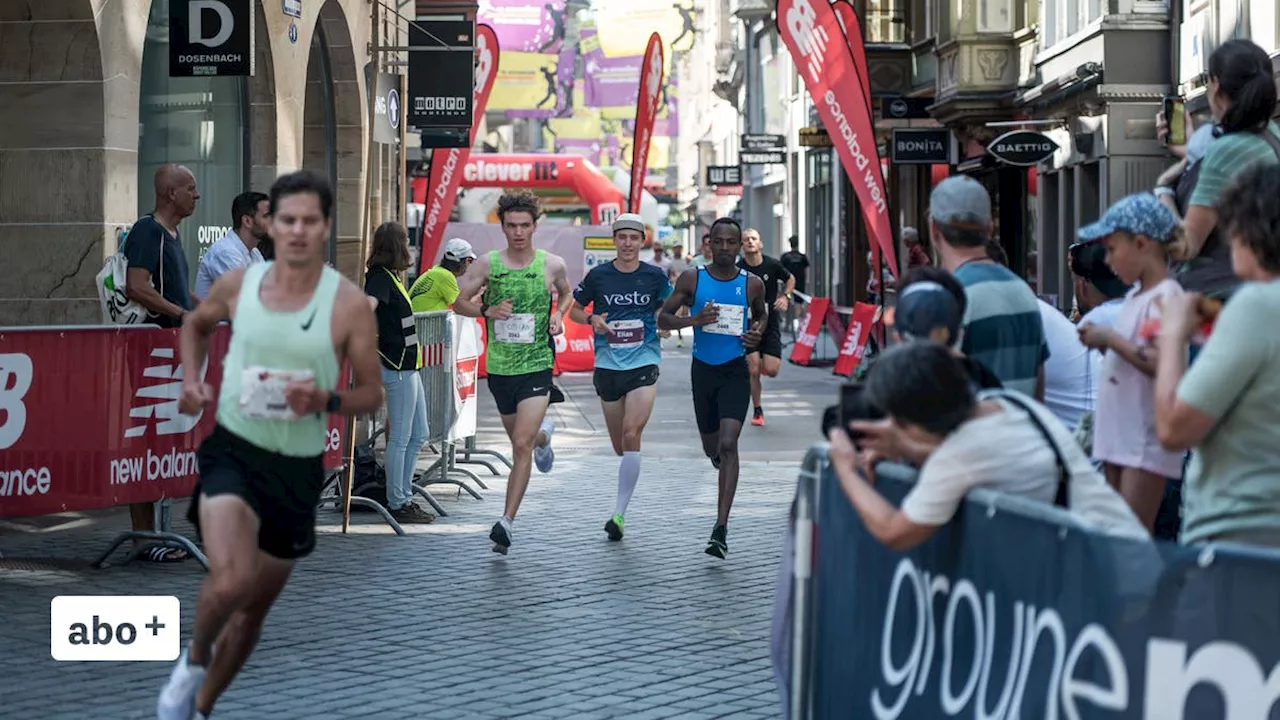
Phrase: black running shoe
x=715 y=461
x=717 y=545
x=501 y=538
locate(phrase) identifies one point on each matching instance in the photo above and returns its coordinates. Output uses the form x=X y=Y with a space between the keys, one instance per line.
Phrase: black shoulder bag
x=1060 y=497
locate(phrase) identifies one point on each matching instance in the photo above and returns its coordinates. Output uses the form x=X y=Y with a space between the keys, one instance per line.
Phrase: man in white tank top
x=295 y=322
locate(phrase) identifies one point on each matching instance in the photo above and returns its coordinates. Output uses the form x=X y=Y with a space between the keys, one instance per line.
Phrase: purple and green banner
x=529 y=26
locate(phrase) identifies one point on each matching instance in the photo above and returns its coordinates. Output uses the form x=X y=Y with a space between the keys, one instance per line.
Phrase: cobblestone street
x=435 y=625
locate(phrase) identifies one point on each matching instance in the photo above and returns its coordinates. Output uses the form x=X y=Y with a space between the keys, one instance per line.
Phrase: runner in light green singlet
x=519 y=326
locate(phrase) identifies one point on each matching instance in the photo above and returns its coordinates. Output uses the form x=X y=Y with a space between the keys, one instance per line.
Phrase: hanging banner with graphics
x=811 y=32
x=646 y=109
x=864 y=316
x=611 y=83
x=441 y=90
x=810 y=327
x=447 y=163
x=618 y=20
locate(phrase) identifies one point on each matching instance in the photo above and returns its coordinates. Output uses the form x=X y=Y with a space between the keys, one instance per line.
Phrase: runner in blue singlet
x=719 y=296
x=624 y=296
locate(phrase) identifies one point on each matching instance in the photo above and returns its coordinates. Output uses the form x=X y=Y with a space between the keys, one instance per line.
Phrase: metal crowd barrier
x=435 y=333
x=1015 y=608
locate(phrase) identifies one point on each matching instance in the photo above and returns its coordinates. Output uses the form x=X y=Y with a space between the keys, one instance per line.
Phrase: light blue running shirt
x=631 y=299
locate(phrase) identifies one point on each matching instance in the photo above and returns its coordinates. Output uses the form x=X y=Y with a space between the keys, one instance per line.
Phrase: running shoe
x=717 y=545
x=758 y=418
x=543 y=456
x=178 y=698
x=614 y=527
x=715 y=461
x=501 y=538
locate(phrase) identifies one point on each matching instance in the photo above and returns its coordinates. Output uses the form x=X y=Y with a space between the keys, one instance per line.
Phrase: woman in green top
x=437 y=288
x=1242 y=98
x=401 y=356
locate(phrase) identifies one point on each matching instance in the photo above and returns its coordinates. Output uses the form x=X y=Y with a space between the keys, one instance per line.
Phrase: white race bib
x=516 y=329
x=729 y=321
x=262 y=392
x=626 y=333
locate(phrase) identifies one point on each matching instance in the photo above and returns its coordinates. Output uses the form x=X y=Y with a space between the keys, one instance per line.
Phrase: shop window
x=201 y=123
x=886 y=21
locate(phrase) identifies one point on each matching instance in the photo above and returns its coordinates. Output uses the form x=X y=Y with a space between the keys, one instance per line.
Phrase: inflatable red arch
x=536 y=170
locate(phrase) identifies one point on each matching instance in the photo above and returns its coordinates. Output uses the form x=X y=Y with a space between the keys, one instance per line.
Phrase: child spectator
x=1140 y=235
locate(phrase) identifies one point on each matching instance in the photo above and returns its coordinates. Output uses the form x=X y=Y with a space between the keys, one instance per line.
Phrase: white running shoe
x=178 y=698
x=543 y=456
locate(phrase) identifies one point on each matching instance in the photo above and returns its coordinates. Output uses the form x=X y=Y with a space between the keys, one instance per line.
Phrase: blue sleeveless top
x=721 y=342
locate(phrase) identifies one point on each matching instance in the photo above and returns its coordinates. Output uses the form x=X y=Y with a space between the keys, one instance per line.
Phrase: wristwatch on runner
x=484 y=310
x=333 y=404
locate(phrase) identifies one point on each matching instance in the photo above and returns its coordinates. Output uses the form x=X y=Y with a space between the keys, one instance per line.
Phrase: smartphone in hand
x=1175 y=114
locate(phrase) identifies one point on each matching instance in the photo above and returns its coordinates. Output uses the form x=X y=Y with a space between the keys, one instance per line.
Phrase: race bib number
x=516 y=329
x=626 y=333
x=729 y=321
x=262 y=392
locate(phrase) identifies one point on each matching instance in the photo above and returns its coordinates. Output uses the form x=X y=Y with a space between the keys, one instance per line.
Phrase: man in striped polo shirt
x=1002 y=326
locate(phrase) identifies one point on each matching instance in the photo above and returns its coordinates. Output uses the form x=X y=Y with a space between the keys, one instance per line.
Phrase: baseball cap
x=1089 y=261
x=1137 y=214
x=458 y=250
x=629 y=221
x=961 y=202
x=928 y=311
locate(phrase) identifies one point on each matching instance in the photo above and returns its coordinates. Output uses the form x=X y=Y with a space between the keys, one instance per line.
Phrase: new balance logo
x=159 y=401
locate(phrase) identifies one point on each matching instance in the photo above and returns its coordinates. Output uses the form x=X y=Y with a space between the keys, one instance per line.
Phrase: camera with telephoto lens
x=853 y=406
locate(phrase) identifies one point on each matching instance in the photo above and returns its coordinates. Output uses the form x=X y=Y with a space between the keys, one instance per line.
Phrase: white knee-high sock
x=628 y=476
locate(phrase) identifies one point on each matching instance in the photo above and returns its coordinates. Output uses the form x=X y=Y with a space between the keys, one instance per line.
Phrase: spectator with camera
x=1227 y=405
x=998 y=439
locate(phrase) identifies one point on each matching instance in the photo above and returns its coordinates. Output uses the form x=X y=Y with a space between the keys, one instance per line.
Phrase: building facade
x=89 y=111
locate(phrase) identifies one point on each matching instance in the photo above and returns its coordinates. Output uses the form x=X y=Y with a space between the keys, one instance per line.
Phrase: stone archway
x=332 y=131
x=55 y=163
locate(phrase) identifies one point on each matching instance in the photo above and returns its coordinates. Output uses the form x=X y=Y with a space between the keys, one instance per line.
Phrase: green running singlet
x=269 y=348
x=520 y=344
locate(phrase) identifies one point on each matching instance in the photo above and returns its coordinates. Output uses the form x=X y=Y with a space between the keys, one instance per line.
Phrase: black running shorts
x=613 y=385
x=509 y=390
x=283 y=491
x=771 y=338
x=720 y=392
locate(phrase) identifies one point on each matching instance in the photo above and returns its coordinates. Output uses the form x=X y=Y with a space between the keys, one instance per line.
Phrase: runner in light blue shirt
x=624 y=296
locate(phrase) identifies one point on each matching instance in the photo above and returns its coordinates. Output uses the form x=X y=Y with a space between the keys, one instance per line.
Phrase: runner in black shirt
x=796 y=263
x=767 y=357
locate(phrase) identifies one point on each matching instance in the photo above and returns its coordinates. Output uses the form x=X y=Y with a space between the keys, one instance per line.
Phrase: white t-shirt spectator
x=1006 y=452
x=1104 y=315
x=1068 y=374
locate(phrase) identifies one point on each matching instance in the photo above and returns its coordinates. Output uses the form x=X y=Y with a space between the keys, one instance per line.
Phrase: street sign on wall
x=388 y=111
x=724 y=175
x=762 y=158
x=211 y=38
x=905 y=108
x=755 y=142
x=441 y=73
x=921 y=146
x=1022 y=148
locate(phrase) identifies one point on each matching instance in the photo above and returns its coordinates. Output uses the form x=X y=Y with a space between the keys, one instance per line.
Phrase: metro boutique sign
x=210 y=38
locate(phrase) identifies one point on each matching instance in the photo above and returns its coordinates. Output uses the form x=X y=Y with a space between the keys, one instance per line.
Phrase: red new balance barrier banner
x=89 y=419
x=855 y=339
x=447 y=164
x=646 y=110
x=576 y=347
x=831 y=76
x=810 y=327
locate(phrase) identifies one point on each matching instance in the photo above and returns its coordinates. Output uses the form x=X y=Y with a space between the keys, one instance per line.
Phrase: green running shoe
x=614 y=527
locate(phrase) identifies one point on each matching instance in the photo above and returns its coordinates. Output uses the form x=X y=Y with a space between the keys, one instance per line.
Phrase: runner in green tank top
x=520 y=326
x=295 y=322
